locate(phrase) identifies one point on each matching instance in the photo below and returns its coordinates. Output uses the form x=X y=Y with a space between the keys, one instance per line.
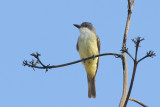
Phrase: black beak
x=76 y=25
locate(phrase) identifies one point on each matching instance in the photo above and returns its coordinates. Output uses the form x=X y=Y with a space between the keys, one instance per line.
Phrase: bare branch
x=124 y=62
x=138 y=102
x=149 y=54
x=34 y=65
x=137 y=42
x=131 y=84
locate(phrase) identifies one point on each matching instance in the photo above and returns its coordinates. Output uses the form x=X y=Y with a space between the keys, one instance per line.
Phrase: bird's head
x=86 y=25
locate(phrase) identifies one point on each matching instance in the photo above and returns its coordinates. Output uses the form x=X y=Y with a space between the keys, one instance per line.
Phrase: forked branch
x=149 y=54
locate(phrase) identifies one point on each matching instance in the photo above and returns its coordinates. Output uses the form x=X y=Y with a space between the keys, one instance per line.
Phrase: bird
x=88 y=45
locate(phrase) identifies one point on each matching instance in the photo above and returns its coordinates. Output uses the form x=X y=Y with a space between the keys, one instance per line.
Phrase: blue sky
x=46 y=26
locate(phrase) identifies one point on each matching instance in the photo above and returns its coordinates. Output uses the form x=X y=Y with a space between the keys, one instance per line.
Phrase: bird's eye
x=84 y=25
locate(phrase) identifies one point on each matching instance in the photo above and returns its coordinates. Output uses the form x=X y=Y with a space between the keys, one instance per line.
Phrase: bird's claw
x=93 y=57
x=84 y=60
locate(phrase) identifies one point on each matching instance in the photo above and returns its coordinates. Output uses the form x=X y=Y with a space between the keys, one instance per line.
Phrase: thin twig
x=149 y=54
x=130 y=55
x=138 y=102
x=137 y=42
x=37 y=57
x=25 y=63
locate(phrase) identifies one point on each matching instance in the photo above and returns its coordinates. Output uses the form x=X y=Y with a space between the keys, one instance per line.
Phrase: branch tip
x=36 y=55
x=137 y=40
x=151 y=54
x=24 y=62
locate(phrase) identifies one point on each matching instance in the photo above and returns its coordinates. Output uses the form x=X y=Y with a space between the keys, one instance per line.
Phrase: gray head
x=85 y=25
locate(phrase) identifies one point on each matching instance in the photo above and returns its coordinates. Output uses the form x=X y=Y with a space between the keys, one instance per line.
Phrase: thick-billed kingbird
x=89 y=45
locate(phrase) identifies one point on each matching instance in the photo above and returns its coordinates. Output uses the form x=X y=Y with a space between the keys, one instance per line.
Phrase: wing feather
x=98 y=46
x=77 y=46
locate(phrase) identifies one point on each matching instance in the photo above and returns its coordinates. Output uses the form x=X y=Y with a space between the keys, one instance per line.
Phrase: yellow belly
x=88 y=47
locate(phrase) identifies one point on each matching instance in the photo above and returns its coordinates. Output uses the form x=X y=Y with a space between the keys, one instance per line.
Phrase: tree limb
x=34 y=65
x=124 y=61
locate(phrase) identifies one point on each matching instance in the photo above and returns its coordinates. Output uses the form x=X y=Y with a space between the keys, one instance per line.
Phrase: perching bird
x=89 y=45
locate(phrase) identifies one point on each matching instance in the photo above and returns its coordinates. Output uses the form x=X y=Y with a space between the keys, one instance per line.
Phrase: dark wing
x=77 y=46
x=98 y=45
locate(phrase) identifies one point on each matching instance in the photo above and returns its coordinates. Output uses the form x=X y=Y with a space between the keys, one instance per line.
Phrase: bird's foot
x=84 y=60
x=93 y=57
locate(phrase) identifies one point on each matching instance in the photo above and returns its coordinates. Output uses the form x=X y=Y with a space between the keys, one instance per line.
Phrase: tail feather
x=91 y=87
